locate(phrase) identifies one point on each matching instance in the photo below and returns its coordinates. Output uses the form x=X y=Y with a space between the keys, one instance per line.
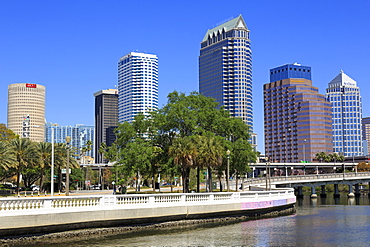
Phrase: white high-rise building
x=26 y=110
x=345 y=97
x=137 y=85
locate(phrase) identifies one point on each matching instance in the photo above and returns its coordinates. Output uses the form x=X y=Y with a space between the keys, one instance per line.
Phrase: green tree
x=242 y=155
x=86 y=149
x=321 y=156
x=44 y=150
x=60 y=161
x=25 y=152
x=135 y=149
x=210 y=151
x=6 y=155
x=102 y=150
x=184 y=153
x=176 y=125
x=6 y=134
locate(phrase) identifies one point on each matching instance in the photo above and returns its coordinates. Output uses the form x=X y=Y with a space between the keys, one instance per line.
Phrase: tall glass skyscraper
x=297 y=117
x=79 y=134
x=345 y=97
x=225 y=68
x=137 y=85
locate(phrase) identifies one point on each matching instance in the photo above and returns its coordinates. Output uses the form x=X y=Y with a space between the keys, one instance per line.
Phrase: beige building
x=26 y=110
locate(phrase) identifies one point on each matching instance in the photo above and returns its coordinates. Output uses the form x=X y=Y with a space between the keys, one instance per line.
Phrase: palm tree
x=85 y=149
x=210 y=150
x=60 y=160
x=183 y=151
x=25 y=153
x=321 y=156
x=6 y=155
x=102 y=150
x=44 y=149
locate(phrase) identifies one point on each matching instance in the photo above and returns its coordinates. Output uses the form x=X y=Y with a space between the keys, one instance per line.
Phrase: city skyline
x=72 y=49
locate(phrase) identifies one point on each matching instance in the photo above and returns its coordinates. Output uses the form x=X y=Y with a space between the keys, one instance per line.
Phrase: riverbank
x=66 y=238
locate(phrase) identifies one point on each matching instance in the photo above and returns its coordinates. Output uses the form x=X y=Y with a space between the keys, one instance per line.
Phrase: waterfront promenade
x=59 y=213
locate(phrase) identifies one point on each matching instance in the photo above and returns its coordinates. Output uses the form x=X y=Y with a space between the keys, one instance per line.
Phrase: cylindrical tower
x=26 y=109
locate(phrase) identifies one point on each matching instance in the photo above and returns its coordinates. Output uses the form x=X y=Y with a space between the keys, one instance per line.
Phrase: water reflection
x=318 y=222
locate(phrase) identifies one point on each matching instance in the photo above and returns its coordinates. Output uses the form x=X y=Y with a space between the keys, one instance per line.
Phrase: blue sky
x=72 y=47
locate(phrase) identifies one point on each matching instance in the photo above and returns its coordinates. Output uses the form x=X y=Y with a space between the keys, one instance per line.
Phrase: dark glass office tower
x=225 y=68
x=106 y=119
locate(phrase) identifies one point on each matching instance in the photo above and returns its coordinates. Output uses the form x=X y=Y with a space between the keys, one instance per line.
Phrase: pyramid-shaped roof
x=237 y=22
x=342 y=80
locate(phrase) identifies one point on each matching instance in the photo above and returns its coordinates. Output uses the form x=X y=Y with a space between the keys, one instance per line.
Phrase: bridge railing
x=347 y=175
x=83 y=203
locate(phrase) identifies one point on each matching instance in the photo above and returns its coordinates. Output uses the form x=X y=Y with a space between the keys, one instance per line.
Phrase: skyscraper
x=26 y=110
x=366 y=135
x=297 y=117
x=345 y=97
x=79 y=134
x=137 y=85
x=106 y=119
x=225 y=68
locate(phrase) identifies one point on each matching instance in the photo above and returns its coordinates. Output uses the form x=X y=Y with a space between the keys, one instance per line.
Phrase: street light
x=227 y=170
x=159 y=179
x=52 y=160
x=52 y=163
x=304 y=151
x=266 y=173
x=68 y=140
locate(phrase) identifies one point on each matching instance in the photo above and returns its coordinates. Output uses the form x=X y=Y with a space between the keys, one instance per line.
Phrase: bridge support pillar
x=313 y=192
x=357 y=190
x=323 y=191
x=300 y=192
x=336 y=191
x=350 y=191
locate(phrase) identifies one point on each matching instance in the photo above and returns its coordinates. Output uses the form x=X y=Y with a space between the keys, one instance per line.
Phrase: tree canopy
x=190 y=131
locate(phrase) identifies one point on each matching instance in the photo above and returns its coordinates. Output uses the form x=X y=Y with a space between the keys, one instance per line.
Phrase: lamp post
x=304 y=151
x=228 y=170
x=159 y=179
x=68 y=140
x=52 y=163
x=267 y=159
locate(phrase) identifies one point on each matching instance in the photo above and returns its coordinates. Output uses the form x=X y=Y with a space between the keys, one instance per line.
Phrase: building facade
x=106 y=119
x=137 y=85
x=79 y=134
x=345 y=97
x=366 y=135
x=297 y=118
x=26 y=110
x=225 y=68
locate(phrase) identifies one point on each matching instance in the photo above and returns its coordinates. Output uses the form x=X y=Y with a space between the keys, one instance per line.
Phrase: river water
x=317 y=222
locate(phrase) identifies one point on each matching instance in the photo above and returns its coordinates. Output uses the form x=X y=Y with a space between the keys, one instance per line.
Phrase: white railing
x=99 y=202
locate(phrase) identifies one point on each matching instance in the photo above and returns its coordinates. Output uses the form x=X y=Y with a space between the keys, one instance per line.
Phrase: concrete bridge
x=352 y=179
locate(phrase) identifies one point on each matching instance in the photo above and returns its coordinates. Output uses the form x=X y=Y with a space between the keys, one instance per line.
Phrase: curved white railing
x=82 y=203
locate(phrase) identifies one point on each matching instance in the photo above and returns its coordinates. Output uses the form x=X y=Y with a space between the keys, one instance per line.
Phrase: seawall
x=55 y=214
